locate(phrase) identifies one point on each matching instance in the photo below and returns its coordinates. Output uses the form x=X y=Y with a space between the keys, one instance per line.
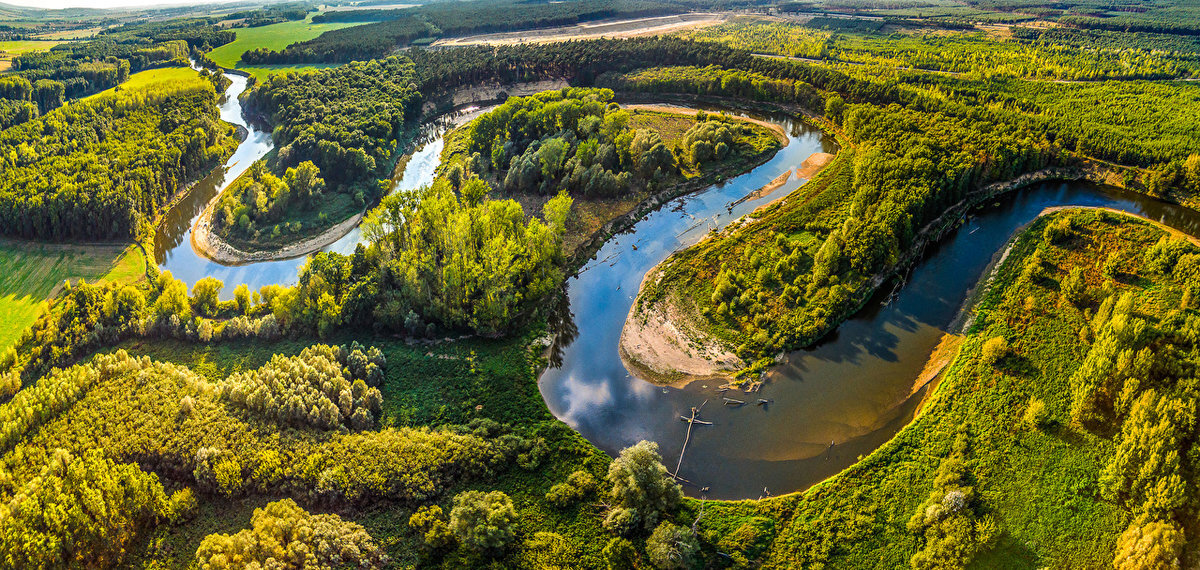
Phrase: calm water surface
x=175 y=251
x=852 y=390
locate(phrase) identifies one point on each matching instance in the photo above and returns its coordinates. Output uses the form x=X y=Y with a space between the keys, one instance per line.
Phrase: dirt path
x=593 y=30
x=210 y=245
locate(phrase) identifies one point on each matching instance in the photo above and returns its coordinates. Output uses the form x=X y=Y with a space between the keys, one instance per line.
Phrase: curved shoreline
x=657 y=341
x=212 y=246
x=659 y=351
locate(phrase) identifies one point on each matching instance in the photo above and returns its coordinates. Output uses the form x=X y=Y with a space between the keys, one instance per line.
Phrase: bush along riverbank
x=793 y=271
x=1060 y=433
x=616 y=162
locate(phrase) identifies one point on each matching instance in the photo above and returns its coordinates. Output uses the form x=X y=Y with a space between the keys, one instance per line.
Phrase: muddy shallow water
x=831 y=403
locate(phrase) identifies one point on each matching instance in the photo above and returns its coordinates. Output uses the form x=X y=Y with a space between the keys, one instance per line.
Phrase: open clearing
x=31 y=273
x=11 y=49
x=594 y=30
x=274 y=36
x=158 y=80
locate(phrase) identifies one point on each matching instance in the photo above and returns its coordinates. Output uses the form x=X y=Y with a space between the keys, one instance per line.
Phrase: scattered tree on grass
x=642 y=492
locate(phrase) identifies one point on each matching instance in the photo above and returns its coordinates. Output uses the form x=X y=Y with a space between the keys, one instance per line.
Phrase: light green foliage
x=953 y=533
x=206 y=296
x=994 y=351
x=483 y=521
x=1147 y=545
x=577 y=486
x=431 y=525
x=976 y=52
x=1036 y=416
x=1074 y=287
x=324 y=387
x=285 y=536
x=80 y=510
x=642 y=492
x=62 y=181
x=716 y=80
x=672 y=547
x=462 y=265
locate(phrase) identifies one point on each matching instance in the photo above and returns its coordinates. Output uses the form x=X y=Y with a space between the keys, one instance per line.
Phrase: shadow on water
x=174 y=250
x=832 y=402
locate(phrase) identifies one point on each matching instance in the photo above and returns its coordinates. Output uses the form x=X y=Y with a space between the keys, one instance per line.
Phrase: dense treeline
x=811 y=262
x=346 y=44
x=101 y=167
x=324 y=387
x=963 y=53
x=283 y=535
x=577 y=140
x=83 y=510
x=286 y=12
x=714 y=80
x=404 y=26
x=336 y=131
x=170 y=420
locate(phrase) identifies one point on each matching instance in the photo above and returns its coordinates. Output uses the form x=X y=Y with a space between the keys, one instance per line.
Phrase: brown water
x=852 y=390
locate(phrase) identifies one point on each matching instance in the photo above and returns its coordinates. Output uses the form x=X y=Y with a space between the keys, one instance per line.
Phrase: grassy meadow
x=13 y=48
x=275 y=37
x=32 y=273
x=163 y=79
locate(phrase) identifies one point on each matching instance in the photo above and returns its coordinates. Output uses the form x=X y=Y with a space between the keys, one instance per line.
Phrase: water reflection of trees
x=562 y=323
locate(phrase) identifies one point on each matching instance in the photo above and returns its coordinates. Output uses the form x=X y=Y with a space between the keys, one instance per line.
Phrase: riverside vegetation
x=317 y=425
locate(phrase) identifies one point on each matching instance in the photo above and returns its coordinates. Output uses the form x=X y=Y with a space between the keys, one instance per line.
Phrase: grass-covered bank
x=1041 y=489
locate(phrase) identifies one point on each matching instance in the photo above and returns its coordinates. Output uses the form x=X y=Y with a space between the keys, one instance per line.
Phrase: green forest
x=102 y=167
x=393 y=406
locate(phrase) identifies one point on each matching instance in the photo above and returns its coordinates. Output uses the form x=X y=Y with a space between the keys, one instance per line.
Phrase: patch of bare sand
x=660 y=347
x=210 y=245
x=813 y=164
x=592 y=30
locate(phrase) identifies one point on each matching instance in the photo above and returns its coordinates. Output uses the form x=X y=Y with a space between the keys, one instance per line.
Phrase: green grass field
x=274 y=36
x=13 y=48
x=32 y=273
x=159 y=80
x=18 y=47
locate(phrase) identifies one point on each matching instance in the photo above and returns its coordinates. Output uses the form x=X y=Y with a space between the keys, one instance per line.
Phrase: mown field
x=275 y=37
x=31 y=273
x=163 y=79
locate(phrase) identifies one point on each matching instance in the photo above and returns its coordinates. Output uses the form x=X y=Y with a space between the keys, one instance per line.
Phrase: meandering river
x=829 y=404
x=174 y=250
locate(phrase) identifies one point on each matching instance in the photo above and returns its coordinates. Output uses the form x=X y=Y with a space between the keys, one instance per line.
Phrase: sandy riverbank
x=210 y=245
x=630 y=28
x=658 y=346
x=656 y=341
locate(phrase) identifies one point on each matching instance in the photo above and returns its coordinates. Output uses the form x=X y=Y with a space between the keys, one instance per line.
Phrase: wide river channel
x=830 y=403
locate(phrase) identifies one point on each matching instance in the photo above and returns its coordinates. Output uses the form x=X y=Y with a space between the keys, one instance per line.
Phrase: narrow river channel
x=831 y=403
x=174 y=250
